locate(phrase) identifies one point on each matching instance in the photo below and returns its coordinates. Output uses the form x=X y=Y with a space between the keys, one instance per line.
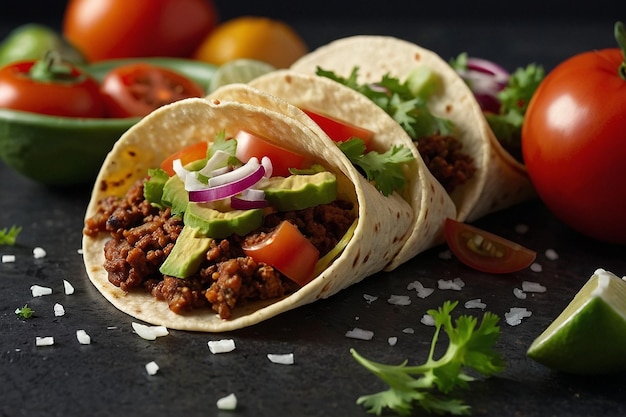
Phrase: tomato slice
x=338 y=130
x=485 y=251
x=186 y=155
x=135 y=90
x=287 y=250
x=252 y=145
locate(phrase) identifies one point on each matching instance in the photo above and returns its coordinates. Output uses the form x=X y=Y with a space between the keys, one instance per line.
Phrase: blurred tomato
x=252 y=37
x=105 y=29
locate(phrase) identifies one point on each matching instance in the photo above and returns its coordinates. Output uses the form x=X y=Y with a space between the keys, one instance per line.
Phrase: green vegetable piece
x=153 y=187
x=32 y=41
x=423 y=82
x=9 y=236
x=188 y=253
x=25 y=312
x=175 y=195
x=469 y=348
x=219 y=224
x=297 y=192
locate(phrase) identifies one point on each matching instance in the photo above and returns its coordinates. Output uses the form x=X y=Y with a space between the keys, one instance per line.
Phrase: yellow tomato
x=253 y=37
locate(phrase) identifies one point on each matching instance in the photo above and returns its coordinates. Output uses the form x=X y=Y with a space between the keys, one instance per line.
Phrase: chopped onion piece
x=152 y=368
x=69 y=289
x=228 y=402
x=8 y=258
x=399 y=300
x=38 y=290
x=428 y=320
x=515 y=315
x=528 y=286
x=217 y=161
x=249 y=175
x=39 y=253
x=44 y=341
x=357 y=333
x=475 y=303
x=178 y=168
x=392 y=340
x=519 y=294
x=408 y=330
x=83 y=337
x=192 y=183
x=282 y=359
x=149 y=332
x=221 y=346
x=59 y=310
x=370 y=298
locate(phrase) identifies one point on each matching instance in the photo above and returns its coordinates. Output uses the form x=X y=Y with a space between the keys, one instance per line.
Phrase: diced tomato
x=485 y=251
x=186 y=155
x=252 y=145
x=287 y=250
x=338 y=130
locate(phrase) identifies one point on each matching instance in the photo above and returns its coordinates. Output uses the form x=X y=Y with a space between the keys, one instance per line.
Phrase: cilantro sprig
x=24 y=312
x=470 y=348
x=9 y=236
x=383 y=169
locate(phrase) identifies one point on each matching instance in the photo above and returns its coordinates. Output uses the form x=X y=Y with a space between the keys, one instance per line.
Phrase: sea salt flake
x=39 y=253
x=38 y=290
x=83 y=337
x=399 y=300
x=535 y=267
x=515 y=315
x=475 y=303
x=392 y=340
x=551 y=254
x=529 y=286
x=149 y=332
x=152 y=368
x=370 y=298
x=228 y=402
x=59 y=310
x=281 y=358
x=221 y=346
x=69 y=289
x=44 y=341
x=519 y=294
x=361 y=334
x=428 y=320
x=8 y=259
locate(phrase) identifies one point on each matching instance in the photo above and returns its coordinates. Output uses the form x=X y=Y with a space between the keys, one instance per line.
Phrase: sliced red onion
x=500 y=74
x=231 y=176
x=486 y=79
x=240 y=179
x=242 y=204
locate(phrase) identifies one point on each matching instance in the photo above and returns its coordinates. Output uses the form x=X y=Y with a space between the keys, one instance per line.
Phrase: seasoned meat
x=445 y=159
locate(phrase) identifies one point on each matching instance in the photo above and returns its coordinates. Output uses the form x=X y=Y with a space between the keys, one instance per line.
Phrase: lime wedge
x=241 y=70
x=589 y=336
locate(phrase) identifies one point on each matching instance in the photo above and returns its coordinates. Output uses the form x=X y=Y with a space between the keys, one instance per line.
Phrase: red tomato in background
x=72 y=95
x=106 y=29
x=338 y=130
x=251 y=145
x=574 y=144
x=134 y=90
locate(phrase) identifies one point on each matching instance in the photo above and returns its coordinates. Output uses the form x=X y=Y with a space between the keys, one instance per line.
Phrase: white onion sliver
x=149 y=332
x=267 y=164
x=221 y=346
x=236 y=174
x=361 y=334
x=38 y=290
x=178 y=168
x=218 y=160
x=68 y=288
x=83 y=337
x=281 y=359
x=44 y=341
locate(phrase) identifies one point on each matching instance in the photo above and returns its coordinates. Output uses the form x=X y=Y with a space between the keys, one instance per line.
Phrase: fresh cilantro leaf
x=385 y=170
x=24 y=312
x=469 y=347
x=220 y=143
x=9 y=236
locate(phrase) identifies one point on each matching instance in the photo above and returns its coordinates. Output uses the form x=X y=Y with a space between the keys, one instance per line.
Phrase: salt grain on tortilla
x=39 y=253
x=221 y=346
x=152 y=368
x=281 y=359
x=228 y=402
x=59 y=310
x=69 y=289
x=361 y=334
x=38 y=290
x=83 y=337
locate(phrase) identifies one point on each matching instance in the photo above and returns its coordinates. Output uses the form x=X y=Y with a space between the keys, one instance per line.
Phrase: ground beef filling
x=143 y=236
x=445 y=159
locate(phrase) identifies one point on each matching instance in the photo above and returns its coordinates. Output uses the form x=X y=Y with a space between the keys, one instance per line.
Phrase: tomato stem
x=52 y=68
x=620 y=37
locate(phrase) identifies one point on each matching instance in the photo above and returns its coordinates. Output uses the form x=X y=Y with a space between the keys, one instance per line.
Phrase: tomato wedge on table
x=135 y=90
x=485 y=251
x=252 y=145
x=338 y=130
x=186 y=155
x=287 y=250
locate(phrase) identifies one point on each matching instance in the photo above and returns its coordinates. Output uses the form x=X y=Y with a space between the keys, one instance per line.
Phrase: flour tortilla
x=430 y=202
x=499 y=181
x=379 y=235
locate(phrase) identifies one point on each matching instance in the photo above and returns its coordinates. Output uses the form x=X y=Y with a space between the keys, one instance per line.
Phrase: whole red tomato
x=50 y=87
x=136 y=28
x=574 y=143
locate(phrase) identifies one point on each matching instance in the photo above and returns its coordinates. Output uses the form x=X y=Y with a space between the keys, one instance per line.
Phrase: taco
x=370 y=63
x=305 y=94
x=144 y=200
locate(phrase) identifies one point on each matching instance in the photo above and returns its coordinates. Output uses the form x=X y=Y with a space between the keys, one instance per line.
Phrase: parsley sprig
x=9 y=236
x=470 y=347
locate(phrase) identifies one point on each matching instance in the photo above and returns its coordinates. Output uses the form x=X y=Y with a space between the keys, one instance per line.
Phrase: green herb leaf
x=25 y=312
x=385 y=170
x=469 y=347
x=153 y=187
x=9 y=236
x=222 y=144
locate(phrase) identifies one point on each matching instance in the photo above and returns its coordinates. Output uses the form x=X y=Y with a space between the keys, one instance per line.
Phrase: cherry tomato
x=259 y=38
x=574 y=143
x=338 y=130
x=485 y=251
x=252 y=145
x=50 y=87
x=134 y=90
x=138 y=28
x=287 y=250
x=186 y=155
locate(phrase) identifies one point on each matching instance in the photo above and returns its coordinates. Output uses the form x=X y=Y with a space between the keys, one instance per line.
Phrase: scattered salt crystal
x=39 y=253
x=83 y=337
x=358 y=333
x=8 y=258
x=422 y=292
x=228 y=402
x=529 y=286
x=535 y=267
x=69 y=289
x=408 y=330
x=149 y=332
x=457 y=284
x=221 y=346
x=59 y=310
x=515 y=315
x=399 y=300
x=44 y=341
x=428 y=320
x=152 y=368
x=282 y=359
x=392 y=340
x=476 y=303
x=552 y=255
x=518 y=293
x=370 y=298
x=38 y=290
x=446 y=254
x=521 y=229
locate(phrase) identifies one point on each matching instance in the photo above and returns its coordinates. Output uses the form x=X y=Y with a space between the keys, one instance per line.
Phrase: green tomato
x=32 y=41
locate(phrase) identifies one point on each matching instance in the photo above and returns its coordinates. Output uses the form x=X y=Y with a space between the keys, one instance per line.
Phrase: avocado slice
x=218 y=224
x=298 y=192
x=189 y=250
x=175 y=195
